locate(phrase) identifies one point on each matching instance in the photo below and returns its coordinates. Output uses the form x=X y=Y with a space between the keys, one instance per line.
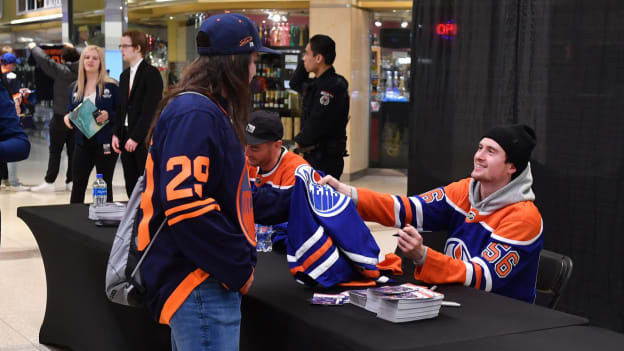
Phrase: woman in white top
x=94 y=84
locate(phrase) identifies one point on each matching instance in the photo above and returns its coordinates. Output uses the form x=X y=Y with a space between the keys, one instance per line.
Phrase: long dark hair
x=217 y=77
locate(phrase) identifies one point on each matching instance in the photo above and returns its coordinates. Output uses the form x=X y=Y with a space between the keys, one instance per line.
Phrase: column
x=350 y=29
x=115 y=22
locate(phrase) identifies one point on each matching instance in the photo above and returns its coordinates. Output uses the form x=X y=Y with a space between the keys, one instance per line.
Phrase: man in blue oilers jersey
x=494 y=229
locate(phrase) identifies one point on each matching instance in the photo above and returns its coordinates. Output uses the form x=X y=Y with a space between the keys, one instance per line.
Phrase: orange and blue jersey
x=493 y=244
x=272 y=190
x=328 y=243
x=196 y=177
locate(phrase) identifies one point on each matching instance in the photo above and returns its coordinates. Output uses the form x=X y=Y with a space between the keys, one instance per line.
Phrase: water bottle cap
x=99 y=175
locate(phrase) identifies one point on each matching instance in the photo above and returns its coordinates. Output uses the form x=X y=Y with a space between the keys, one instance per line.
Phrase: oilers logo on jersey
x=323 y=201
x=456 y=248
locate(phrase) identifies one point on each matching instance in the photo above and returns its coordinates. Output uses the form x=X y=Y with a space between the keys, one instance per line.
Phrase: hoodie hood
x=517 y=190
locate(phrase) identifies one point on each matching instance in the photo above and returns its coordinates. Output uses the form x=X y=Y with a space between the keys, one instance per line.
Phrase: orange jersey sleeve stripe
x=408 y=210
x=314 y=257
x=441 y=269
x=194 y=214
x=143 y=235
x=179 y=295
x=376 y=207
x=180 y=208
x=358 y=283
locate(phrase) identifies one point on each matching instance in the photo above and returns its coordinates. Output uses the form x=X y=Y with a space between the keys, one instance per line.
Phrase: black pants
x=60 y=135
x=329 y=164
x=133 y=164
x=4 y=171
x=85 y=157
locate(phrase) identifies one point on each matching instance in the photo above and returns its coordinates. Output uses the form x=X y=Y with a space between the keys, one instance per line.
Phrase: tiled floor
x=22 y=276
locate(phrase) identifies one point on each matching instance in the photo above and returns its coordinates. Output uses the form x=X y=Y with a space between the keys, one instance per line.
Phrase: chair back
x=552 y=277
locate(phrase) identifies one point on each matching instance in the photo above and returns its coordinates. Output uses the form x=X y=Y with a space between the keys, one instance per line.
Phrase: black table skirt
x=276 y=312
x=78 y=315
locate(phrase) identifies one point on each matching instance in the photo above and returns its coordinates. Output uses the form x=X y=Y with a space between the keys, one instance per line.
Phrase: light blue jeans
x=208 y=320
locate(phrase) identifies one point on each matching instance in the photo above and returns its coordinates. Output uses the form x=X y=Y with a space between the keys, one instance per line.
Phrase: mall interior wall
x=557 y=65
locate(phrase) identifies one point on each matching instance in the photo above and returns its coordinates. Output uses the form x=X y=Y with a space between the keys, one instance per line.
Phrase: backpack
x=123 y=276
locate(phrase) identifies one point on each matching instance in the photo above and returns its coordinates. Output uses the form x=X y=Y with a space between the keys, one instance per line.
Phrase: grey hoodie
x=517 y=190
x=63 y=74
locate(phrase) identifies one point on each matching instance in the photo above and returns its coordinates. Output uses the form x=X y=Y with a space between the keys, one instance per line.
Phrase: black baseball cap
x=263 y=126
x=229 y=34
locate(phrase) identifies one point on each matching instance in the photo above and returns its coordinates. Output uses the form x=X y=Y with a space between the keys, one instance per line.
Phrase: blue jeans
x=209 y=319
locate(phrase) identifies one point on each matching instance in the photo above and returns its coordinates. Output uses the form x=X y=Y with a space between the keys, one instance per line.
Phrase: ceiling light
x=404 y=24
x=276 y=17
x=377 y=23
x=284 y=19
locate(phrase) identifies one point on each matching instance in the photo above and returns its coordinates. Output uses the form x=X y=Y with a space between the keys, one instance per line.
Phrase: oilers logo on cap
x=323 y=199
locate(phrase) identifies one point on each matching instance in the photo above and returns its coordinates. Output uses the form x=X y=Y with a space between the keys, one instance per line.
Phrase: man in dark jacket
x=63 y=74
x=140 y=91
x=323 y=136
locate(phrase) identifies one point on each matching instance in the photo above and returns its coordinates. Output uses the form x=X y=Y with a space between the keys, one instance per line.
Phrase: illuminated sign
x=447 y=30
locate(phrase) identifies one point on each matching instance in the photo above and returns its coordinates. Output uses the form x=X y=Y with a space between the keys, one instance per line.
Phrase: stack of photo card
x=403 y=303
x=358 y=297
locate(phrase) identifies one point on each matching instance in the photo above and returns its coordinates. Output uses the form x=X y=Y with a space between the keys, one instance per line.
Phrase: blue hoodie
x=14 y=145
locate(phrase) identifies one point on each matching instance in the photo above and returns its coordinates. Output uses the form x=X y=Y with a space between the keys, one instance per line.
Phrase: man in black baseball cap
x=271 y=167
x=494 y=228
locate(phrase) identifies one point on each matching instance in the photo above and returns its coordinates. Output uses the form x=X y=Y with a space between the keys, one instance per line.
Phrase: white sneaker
x=44 y=187
x=18 y=187
x=68 y=186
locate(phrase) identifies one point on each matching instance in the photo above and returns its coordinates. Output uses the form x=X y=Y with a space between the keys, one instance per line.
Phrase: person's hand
x=336 y=184
x=102 y=117
x=411 y=243
x=25 y=92
x=67 y=121
x=115 y=144
x=131 y=145
x=31 y=45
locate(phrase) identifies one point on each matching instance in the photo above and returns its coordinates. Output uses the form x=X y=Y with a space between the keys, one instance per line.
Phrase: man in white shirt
x=140 y=91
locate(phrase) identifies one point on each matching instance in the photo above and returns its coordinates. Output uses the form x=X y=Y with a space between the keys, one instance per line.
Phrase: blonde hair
x=82 y=76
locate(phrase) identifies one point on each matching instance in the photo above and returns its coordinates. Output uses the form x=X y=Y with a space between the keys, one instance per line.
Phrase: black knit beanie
x=518 y=141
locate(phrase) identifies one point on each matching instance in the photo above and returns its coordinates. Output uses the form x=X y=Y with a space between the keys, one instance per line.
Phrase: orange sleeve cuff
x=441 y=269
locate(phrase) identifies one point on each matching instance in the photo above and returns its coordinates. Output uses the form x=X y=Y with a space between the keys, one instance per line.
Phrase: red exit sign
x=447 y=30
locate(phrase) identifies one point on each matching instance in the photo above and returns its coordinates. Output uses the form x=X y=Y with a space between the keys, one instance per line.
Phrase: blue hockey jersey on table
x=328 y=243
x=196 y=177
x=493 y=243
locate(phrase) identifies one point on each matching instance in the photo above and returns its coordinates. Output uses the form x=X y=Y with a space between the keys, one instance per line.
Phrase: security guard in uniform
x=323 y=136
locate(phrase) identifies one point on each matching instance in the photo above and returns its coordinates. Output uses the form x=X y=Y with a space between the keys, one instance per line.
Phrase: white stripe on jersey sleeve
x=486 y=273
x=323 y=267
x=281 y=187
x=397 y=212
x=419 y=213
x=457 y=208
x=309 y=243
x=469 y=273
x=360 y=258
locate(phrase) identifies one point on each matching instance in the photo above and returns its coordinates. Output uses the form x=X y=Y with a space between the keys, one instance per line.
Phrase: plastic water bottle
x=99 y=191
x=263 y=238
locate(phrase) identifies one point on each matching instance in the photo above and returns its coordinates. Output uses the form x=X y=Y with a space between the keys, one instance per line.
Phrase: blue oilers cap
x=9 y=58
x=229 y=34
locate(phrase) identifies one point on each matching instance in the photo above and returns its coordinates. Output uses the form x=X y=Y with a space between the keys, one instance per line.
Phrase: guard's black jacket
x=325 y=111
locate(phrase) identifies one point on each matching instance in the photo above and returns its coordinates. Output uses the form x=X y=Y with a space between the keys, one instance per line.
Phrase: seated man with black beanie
x=494 y=228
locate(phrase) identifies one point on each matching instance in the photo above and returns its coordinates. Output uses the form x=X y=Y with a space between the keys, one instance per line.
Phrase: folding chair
x=552 y=277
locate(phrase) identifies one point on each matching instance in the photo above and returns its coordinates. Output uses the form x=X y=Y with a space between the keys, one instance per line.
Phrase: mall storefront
x=376 y=66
